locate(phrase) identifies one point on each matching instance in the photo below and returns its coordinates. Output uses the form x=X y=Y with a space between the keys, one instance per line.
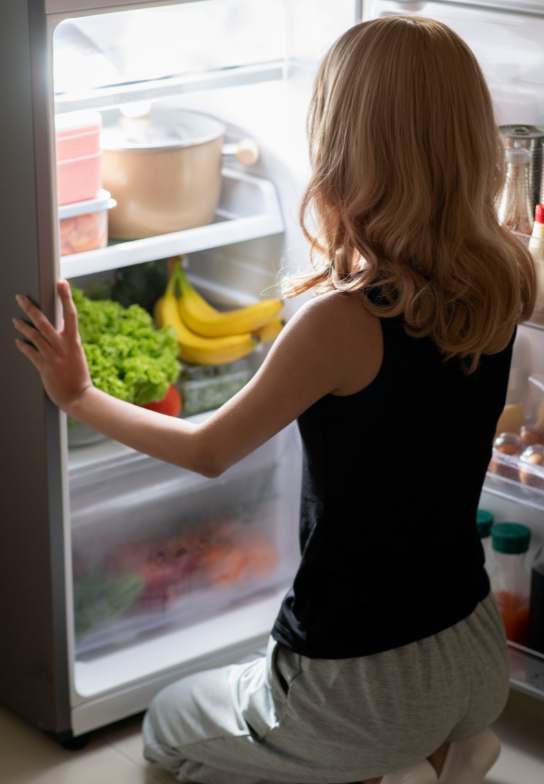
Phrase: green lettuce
x=127 y=356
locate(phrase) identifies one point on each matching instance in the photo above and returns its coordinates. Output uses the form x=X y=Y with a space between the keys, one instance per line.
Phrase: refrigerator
x=79 y=522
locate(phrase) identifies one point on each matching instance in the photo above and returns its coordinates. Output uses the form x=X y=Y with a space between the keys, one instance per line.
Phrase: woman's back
x=391 y=483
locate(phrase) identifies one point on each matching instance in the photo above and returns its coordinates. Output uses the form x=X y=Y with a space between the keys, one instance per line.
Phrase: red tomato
x=170 y=404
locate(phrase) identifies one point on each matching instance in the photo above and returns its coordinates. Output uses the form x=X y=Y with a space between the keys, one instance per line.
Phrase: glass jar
x=515 y=207
x=511 y=581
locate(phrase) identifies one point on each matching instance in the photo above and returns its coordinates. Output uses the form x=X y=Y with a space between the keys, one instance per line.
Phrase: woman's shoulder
x=349 y=332
x=338 y=309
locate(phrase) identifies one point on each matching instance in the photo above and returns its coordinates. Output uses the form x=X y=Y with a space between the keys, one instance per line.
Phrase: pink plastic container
x=84 y=225
x=79 y=156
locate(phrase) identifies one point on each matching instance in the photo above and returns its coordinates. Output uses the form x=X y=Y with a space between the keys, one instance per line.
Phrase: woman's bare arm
x=307 y=361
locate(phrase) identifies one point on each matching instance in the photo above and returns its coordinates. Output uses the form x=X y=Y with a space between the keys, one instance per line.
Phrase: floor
x=113 y=755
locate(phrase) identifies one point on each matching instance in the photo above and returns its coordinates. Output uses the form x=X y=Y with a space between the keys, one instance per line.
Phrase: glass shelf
x=249 y=209
x=527 y=670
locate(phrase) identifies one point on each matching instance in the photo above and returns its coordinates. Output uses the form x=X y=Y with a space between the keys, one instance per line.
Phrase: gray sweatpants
x=283 y=717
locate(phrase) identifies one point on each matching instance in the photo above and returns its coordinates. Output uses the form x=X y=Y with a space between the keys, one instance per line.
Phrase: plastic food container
x=79 y=157
x=205 y=388
x=510 y=581
x=84 y=225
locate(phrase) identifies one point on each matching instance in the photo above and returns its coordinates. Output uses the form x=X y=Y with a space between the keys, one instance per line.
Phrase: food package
x=79 y=157
x=204 y=388
x=518 y=449
x=84 y=225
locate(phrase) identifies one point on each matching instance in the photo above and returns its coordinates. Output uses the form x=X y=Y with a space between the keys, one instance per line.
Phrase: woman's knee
x=157 y=746
x=162 y=723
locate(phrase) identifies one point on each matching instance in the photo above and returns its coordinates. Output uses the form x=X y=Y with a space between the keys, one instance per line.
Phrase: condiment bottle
x=484 y=522
x=535 y=639
x=510 y=581
x=536 y=247
x=515 y=209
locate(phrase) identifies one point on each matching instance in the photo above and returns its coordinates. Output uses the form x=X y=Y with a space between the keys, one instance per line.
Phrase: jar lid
x=510 y=538
x=484 y=521
x=521 y=132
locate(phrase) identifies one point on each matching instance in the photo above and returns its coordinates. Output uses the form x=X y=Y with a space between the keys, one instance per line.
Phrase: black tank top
x=392 y=477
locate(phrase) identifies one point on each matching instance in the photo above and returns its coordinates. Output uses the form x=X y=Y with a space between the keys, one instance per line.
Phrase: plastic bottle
x=515 y=209
x=535 y=638
x=484 y=522
x=536 y=247
x=511 y=582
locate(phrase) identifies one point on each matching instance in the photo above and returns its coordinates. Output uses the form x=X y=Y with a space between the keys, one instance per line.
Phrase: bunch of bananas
x=207 y=336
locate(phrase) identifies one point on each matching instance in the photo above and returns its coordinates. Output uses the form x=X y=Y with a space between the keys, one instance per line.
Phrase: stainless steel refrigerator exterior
x=34 y=647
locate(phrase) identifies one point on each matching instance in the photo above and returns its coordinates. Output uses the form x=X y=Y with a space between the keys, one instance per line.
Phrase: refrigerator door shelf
x=248 y=209
x=527 y=671
x=526 y=666
x=515 y=480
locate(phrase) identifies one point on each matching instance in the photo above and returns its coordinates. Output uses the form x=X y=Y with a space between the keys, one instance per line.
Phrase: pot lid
x=164 y=125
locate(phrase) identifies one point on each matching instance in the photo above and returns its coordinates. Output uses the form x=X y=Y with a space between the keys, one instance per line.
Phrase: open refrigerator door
x=506 y=37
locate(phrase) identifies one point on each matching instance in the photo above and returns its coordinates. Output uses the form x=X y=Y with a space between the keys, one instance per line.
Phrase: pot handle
x=246 y=151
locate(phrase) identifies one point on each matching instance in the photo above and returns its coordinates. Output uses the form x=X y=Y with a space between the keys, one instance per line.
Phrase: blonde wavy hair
x=407 y=164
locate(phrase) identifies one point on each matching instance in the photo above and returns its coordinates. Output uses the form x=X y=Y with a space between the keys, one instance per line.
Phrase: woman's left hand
x=57 y=354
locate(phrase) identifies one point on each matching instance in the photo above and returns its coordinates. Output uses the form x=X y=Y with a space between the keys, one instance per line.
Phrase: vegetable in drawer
x=100 y=598
x=222 y=553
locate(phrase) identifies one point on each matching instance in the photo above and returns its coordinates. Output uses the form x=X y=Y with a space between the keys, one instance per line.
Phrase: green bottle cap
x=484 y=521
x=510 y=538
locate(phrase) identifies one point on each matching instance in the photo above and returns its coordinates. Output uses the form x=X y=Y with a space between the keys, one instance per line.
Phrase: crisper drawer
x=155 y=546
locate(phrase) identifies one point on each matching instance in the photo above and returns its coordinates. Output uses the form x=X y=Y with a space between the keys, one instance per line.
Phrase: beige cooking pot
x=164 y=169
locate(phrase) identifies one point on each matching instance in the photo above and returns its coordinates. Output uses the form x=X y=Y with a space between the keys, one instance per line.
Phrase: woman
x=388 y=649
